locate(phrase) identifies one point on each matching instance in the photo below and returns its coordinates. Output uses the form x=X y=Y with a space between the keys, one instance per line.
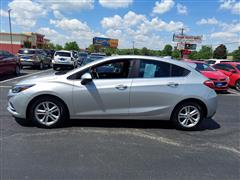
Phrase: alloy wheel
x=189 y=116
x=47 y=113
x=238 y=85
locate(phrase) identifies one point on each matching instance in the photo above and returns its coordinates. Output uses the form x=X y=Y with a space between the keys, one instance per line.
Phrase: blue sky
x=148 y=23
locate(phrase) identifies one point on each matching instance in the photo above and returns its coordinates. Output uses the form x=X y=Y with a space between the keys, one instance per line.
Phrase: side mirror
x=86 y=78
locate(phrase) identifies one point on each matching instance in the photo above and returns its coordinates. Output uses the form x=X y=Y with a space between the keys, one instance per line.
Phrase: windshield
x=238 y=67
x=26 y=51
x=204 y=67
x=64 y=54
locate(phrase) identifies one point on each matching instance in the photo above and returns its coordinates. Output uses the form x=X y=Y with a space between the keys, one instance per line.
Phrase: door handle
x=172 y=84
x=121 y=87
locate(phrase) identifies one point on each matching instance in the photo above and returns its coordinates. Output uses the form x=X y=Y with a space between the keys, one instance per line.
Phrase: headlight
x=228 y=79
x=20 y=88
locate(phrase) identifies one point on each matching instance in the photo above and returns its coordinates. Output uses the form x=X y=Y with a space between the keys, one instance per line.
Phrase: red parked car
x=232 y=70
x=9 y=64
x=220 y=79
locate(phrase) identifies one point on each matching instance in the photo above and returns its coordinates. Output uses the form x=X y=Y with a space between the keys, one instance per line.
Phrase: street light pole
x=10 y=27
x=133 y=47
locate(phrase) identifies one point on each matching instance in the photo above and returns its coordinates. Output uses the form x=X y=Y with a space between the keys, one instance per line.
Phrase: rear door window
x=63 y=54
x=158 y=69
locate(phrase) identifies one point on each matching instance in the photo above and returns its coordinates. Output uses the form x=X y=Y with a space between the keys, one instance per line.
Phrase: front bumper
x=17 y=104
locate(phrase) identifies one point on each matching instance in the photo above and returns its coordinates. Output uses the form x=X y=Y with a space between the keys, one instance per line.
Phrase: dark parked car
x=34 y=57
x=9 y=63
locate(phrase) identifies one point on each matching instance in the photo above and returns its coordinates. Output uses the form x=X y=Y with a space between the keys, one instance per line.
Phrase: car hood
x=214 y=74
x=39 y=78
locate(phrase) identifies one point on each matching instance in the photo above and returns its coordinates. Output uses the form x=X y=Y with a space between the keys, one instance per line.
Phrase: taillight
x=209 y=83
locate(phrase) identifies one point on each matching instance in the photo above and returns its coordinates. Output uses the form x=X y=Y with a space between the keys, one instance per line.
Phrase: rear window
x=26 y=51
x=64 y=54
x=204 y=67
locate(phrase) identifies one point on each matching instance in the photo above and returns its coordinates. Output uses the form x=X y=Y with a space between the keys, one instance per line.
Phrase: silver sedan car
x=119 y=87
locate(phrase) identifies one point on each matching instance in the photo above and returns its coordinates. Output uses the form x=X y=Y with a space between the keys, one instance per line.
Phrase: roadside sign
x=187 y=39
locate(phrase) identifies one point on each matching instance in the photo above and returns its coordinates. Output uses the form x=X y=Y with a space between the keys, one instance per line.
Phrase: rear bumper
x=30 y=63
x=211 y=104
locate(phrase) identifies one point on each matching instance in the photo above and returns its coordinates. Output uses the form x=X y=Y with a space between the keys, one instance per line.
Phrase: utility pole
x=133 y=47
x=182 y=30
x=10 y=28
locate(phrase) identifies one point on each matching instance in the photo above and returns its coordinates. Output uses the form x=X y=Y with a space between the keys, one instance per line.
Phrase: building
x=22 y=40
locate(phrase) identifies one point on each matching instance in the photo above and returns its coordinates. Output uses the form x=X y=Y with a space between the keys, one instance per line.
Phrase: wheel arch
x=194 y=100
x=45 y=95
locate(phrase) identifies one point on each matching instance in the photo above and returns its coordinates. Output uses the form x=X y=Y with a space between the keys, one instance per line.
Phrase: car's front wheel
x=187 y=116
x=48 y=112
x=17 y=70
x=237 y=85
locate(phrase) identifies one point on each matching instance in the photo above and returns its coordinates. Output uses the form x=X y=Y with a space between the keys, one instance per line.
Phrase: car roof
x=137 y=57
x=64 y=51
x=232 y=63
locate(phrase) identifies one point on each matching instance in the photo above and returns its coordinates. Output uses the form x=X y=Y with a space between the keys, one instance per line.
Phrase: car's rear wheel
x=237 y=85
x=187 y=116
x=48 y=112
x=41 y=66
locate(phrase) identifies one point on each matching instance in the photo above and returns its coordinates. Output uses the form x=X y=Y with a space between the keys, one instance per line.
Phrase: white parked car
x=216 y=61
x=63 y=59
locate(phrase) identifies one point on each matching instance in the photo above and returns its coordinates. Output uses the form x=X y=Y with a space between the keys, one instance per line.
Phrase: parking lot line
x=5 y=86
x=233 y=92
x=24 y=76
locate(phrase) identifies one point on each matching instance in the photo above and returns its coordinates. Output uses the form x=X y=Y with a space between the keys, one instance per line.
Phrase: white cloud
x=163 y=6
x=115 y=3
x=70 y=25
x=112 y=22
x=208 y=21
x=26 y=13
x=53 y=35
x=231 y=5
x=137 y=27
x=3 y=13
x=60 y=7
x=182 y=9
x=223 y=35
x=76 y=30
x=228 y=33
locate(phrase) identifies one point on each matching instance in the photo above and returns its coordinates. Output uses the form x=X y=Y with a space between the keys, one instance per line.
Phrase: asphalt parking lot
x=107 y=149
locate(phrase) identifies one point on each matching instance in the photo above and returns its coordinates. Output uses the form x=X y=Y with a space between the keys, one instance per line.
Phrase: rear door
x=156 y=88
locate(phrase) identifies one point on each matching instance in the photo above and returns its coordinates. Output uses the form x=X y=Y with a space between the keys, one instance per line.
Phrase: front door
x=107 y=95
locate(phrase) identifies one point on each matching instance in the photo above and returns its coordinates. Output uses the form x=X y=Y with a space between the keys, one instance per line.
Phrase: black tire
x=41 y=66
x=55 y=68
x=17 y=70
x=63 y=115
x=24 y=122
x=175 y=115
x=237 y=85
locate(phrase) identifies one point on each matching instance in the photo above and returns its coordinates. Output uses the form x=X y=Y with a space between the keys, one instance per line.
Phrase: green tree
x=27 y=44
x=51 y=46
x=205 y=52
x=176 y=54
x=167 y=51
x=58 y=47
x=145 y=51
x=71 y=46
x=236 y=54
x=193 y=55
x=220 y=52
x=91 y=49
